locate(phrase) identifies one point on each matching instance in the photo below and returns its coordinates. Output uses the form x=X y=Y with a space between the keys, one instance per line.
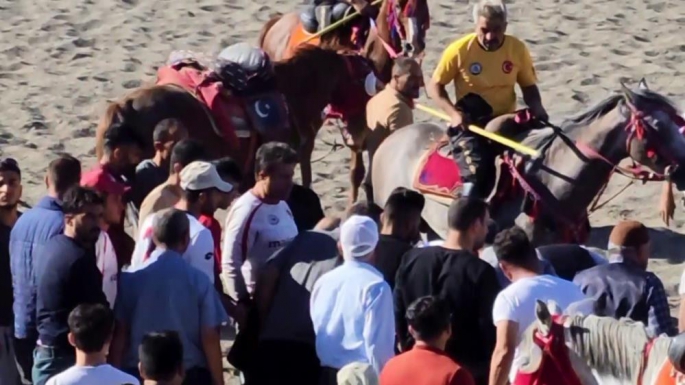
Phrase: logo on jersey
x=209 y=256
x=273 y=220
x=476 y=68
x=507 y=67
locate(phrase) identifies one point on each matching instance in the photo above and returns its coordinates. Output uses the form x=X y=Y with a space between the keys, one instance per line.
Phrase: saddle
x=318 y=17
x=238 y=88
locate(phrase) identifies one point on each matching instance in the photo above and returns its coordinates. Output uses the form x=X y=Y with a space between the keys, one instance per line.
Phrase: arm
x=527 y=80
x=659 y=320
x=211 y=345
x=445 y=73
x=462 y=377
x=488 y=289
x=400 y=311
x=233 y=252
x=503 y=355
x=88 y=281
x=379 y=328
x=212 y=316
x=266 y=289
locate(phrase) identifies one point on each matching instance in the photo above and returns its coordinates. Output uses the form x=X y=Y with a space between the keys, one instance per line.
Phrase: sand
x=61 y=60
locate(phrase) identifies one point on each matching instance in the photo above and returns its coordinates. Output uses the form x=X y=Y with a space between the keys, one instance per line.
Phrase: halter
x=396 y=27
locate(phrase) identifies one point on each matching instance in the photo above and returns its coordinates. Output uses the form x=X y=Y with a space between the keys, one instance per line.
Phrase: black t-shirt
x=389 y=252
x=470 y=287
x=67 y=276
x=6 y=294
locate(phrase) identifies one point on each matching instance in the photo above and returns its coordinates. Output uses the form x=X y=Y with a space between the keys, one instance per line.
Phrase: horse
x=550 y=198
x=585 y=349
x=400 y=27
x=309 y=81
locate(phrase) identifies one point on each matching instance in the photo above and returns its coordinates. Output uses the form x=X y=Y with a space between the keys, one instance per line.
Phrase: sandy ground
x=61 y=60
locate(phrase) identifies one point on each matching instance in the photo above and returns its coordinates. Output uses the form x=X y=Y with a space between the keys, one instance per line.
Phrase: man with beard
x=454 y=273
x=485 y=67
x=10 y=192
x=66 y=276
x=391 y=108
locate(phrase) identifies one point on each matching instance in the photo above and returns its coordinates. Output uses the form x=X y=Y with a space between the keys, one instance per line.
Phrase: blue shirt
x=67 y=275
x=168 y=294
x=27 y=239
x=353 y=317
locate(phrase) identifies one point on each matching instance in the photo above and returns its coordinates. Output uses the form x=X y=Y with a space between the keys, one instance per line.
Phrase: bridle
x=395 y=10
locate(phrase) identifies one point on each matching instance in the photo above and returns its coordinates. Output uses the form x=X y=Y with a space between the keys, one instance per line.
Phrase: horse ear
x=642 y=85
x=627 y=93
x=544 y=317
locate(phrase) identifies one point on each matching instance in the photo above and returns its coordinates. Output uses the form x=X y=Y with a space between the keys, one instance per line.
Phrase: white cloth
x=353 y=317
x=254 y=230
x=681 y=288
x=200 y=252
x=90 y=375
x=517 y=303
x=358 y=236
x=108 y=265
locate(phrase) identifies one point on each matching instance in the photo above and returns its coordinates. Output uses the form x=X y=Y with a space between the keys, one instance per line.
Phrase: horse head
x=654 y=130
x=409 y=20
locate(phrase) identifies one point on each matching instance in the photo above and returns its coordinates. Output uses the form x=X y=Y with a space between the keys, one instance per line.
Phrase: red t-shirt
x=215 y=228
x=410 y=368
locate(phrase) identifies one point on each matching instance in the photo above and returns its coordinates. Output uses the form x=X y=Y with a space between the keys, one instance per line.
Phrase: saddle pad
x=297 y=37
x=438 y=173
x=268 y=114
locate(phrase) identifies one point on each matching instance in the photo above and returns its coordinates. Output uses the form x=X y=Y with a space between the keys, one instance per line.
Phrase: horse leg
x=357 y=172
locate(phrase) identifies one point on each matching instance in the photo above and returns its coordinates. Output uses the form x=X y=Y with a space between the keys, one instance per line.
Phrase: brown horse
x=309 y=81
x=400 y=27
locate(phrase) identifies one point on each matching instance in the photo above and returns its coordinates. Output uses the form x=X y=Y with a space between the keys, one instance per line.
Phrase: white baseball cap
x=358 y=236
x=201 y=175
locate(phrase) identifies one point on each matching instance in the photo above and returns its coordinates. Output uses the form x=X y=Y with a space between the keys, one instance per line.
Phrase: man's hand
x=457 y=120
x=667 y=203
x=540 y=113
x=240 y=314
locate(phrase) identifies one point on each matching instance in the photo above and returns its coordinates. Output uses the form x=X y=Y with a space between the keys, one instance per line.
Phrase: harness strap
x=391 y=51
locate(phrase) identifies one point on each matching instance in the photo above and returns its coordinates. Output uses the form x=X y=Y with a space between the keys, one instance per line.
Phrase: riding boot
x=472 y=155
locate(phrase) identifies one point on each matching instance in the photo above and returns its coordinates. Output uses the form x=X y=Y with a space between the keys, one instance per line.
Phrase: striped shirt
x=254 y=230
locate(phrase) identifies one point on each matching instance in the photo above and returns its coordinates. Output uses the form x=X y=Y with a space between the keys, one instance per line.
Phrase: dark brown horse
x=309 y=81
x=399 y=28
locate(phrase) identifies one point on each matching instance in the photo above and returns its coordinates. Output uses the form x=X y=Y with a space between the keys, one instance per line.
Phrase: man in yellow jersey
x=485 y=67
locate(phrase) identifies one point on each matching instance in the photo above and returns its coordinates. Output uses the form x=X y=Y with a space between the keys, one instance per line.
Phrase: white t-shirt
x=200 y=252
x=90 y=375
x=254 y=230
x=517 y=303
x=108 y=265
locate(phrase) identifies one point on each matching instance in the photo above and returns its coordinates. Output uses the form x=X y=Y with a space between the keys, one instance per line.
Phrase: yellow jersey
x=490 y=74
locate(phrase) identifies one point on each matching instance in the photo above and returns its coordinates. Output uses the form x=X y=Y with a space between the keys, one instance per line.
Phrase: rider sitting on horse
x=321 y=13
x=485 y=66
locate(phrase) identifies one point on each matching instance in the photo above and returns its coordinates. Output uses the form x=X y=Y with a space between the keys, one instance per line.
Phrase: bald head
x=407 y=78
x=405 y=66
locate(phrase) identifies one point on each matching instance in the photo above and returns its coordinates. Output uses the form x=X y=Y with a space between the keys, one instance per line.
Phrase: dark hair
x=365 y=209
x=228 y=168
x=121 y=134
x=464 y=212
x=163 y=129
x=170 y=227
x=403 y=205
x=64 y=173
x=493 y=229
x=10 y=164
x=403 y=66
x=429 y=317
x=77 y=198
x=513 y=246
x=185 y=152
x=161 y=355
x=92 y=326
x=274 y=153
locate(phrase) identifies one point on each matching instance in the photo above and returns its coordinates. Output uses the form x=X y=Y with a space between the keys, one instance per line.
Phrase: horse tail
x=274 y=18
x=116 y=112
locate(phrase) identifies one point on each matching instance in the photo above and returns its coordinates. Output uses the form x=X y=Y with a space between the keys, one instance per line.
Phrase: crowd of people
x=356 y=300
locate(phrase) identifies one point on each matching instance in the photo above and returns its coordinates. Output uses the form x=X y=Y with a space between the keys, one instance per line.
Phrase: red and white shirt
x=254 y=230
x=199 y=254
x=108 y=265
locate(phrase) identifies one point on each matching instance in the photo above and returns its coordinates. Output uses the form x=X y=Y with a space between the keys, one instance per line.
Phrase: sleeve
x=503 y=310
x=462 y=377
x=200 y=253
x=121 y=305
x=379 y=328
x=238 y=238
x=448 y=66
x=401 y=327
x=212 y=313
x=143 y=242
x=659 y=317
x=526 y=76
x=88 y=281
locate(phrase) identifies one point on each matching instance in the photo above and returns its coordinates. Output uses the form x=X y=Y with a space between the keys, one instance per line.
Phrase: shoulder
x=115 y=374
x=464 y=42
x=244 y=207
x=515 y=42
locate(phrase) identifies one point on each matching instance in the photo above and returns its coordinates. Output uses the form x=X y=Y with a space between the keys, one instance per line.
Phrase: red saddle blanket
x=438 y=173
x=220 y=104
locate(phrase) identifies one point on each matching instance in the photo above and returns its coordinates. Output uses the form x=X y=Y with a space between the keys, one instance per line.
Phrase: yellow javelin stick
x=523 y=149
x=336 y=24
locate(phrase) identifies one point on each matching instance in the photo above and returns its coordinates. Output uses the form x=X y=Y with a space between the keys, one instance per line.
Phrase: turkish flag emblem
x=507 y=67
